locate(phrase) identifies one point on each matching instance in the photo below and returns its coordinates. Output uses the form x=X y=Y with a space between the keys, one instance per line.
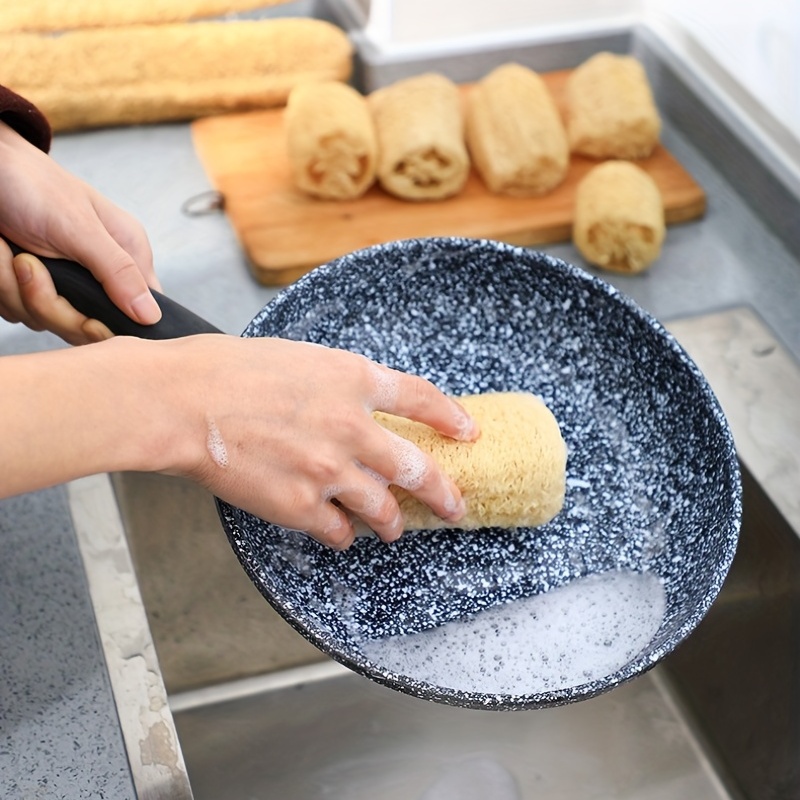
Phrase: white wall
x=426 y=20
x=757 y=41
x=435 y=18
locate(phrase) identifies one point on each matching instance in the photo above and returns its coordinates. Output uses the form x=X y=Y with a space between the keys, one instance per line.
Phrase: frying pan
x=653 y=486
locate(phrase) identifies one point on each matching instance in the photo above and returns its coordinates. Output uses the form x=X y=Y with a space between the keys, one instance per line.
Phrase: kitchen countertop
x=59 y=733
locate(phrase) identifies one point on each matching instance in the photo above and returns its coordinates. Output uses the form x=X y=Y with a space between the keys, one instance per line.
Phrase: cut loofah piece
x=330 y=139
x=513 y=476
x=619 y=217
x=515 y=134
x=420 y=128
x=610 y=109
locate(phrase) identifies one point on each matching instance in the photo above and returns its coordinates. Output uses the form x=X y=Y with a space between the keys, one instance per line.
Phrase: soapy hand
x=47 y=211
x=286 y=431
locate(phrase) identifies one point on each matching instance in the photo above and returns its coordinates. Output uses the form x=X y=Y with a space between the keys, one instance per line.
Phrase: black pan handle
x=85 y=293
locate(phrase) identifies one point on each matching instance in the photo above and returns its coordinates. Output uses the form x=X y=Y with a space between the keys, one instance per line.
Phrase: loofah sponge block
x=420 y=127
x=619 y=217
x=513 y=476
x=330 y=140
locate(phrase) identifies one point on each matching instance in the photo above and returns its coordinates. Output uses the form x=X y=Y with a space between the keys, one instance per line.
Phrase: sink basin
x=209 y=622
x=341 y=736
x=260 y=713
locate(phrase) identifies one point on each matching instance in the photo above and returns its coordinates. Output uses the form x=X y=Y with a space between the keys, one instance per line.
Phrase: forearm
x=75 y=412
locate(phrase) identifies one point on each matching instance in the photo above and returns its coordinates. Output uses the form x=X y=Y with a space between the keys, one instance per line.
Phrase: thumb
x=121 y=277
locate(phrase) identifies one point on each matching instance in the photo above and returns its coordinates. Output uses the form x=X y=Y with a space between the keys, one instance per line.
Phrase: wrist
x=156 y=389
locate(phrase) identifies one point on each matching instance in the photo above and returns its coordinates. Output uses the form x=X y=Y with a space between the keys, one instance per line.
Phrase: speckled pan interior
x=652 y=475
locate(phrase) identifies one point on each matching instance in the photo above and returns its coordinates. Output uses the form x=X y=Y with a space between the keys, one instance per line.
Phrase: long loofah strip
x=154 y=73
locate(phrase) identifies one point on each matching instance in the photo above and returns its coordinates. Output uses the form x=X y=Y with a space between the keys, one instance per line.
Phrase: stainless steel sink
x=719 y=718
x=260 y=713
x=340 y=736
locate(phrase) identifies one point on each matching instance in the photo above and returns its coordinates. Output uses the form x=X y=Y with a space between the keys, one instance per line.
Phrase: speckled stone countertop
x=59 y=735
x=59 y=732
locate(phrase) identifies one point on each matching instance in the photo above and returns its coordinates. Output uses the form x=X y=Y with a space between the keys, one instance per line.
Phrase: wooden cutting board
x=286 y=233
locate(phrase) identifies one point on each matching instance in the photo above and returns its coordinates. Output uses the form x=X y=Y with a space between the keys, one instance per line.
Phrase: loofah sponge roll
x=619 y=217
x=610 y=109
x=154 y=73
x=330 y=139
x=513 y=476
x=65 y=15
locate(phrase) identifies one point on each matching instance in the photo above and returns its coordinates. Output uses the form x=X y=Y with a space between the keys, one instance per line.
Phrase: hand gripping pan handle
x=85 y=293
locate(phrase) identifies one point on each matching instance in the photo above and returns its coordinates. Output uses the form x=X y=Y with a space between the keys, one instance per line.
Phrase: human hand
x=285 y=430
x=282 y=429
x=46 y=210
x=27 y=295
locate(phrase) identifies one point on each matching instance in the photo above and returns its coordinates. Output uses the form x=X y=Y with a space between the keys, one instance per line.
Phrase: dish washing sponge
x=513 y=476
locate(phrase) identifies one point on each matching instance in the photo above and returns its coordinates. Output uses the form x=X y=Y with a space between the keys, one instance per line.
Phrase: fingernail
x=145 y=308
x=467 y=427
x=96 y=331
x=398 y=523
x=454 y=507
x=22 y=270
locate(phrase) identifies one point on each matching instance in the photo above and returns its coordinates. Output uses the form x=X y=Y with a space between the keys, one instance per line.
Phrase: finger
x=402 y=463
x=421 y=476
x=118 y=272
x=43 y=306
x=128 y=232
x=367 y=496
x=333 y=529
x=96 y=331
x=11 y=308
x=418 y=399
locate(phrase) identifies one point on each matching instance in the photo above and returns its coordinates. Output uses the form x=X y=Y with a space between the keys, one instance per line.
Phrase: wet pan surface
x=652 y=477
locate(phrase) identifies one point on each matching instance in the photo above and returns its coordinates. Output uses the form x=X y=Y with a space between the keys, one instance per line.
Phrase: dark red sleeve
x=25 y=119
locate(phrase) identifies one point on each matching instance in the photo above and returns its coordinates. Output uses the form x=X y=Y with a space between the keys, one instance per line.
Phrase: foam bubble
x=580 y=632
x=376 y=476
x=372 y=500
x=386 y=387
x=216 y=446
x=409 y=461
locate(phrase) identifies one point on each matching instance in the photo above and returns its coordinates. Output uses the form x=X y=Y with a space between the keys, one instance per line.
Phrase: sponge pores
x=513 y=476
